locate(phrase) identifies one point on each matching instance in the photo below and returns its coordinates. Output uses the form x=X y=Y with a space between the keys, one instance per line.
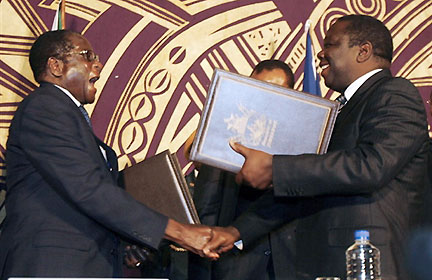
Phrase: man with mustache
x=65 y=211
x=372 y=176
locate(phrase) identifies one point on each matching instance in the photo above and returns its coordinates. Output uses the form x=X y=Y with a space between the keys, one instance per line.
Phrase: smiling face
x=338 y=59
x=79 y=74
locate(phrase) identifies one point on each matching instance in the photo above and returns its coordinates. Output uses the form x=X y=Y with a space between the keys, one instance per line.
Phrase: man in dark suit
x=419 y=253
x=219 y=200
x=429 y=172
x=65 y=212
x=372 y=176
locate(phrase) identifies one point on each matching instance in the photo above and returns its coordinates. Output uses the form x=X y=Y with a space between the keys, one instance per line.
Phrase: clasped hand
x=203 y=240
x=257 y=170
x=208 y=241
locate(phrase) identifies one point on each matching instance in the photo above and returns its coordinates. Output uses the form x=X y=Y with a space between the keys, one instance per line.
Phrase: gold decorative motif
x=376 y=8
x=173 y=74
x=419 y=68
x=265 y=40
x=250 y=128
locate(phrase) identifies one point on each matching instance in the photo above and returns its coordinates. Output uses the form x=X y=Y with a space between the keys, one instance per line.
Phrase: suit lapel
x=363 y=92
x=110 y=154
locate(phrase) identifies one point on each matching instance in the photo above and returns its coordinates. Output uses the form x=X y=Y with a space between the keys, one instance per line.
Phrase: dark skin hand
x=135 y=256
x=257 y=169
x=223 y=240
x=191 y=237
x=210 y=242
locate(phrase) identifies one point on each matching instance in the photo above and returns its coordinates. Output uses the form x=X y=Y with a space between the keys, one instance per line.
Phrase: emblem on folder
x=251 y=128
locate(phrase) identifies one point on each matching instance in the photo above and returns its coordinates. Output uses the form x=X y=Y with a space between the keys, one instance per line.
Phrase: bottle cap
x=361 y=235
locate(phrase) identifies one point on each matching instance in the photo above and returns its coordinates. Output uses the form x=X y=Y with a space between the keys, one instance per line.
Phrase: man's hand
x=222 y=241
x=135 y=256
x=257 y=169
x=190 y=237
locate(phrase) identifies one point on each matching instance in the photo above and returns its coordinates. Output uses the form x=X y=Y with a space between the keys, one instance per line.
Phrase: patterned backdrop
x=159 y=56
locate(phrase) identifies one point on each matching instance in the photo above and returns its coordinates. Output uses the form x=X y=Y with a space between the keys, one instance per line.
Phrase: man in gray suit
x=65 y=211
x=372 y=176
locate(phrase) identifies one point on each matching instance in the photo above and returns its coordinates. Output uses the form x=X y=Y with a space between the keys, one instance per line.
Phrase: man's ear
x=365 y=52
x=55 y=67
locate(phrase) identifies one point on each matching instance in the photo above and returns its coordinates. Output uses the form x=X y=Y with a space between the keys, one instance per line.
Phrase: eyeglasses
x=89 y=55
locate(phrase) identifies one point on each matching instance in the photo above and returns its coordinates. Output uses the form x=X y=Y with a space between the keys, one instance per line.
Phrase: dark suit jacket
x=427 y=209
x=419 y=255
x=219 y=200
x=372 y=178
x=64 y=208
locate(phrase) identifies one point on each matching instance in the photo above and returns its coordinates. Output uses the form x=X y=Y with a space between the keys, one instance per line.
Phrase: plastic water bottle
x=363 y=259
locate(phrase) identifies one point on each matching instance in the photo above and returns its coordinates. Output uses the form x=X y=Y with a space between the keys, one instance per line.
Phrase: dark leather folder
x=261 y=116
x=159 y=183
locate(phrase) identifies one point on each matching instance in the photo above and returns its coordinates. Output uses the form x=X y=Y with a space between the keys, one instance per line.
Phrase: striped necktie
x=85 y=114
x=341 y=99
x=87 y=118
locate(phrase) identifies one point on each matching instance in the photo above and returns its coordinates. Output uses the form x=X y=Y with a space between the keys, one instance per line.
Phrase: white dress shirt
x=354 y=86
x=78 y=105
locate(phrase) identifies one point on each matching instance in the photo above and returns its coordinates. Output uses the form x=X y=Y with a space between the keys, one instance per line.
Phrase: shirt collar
x=69 y=95
x=354 y=86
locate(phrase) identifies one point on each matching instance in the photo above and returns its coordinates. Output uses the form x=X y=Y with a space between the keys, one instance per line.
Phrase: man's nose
x=98 y=65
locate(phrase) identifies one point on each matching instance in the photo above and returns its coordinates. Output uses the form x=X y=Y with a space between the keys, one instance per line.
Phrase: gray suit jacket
x=372 y=177
x=64 y=208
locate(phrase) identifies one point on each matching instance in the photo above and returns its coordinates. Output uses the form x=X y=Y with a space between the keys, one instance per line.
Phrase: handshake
x=209 y=241
x=203 y=240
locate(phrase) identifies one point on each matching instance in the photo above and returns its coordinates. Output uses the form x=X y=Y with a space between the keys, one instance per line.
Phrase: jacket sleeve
x=62 y=149
x=265 y=215
x=392 y=132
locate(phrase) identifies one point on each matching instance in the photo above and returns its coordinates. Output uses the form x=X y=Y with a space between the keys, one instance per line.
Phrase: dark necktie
x=87 y=118
x=341 y=99
x=85 y=114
